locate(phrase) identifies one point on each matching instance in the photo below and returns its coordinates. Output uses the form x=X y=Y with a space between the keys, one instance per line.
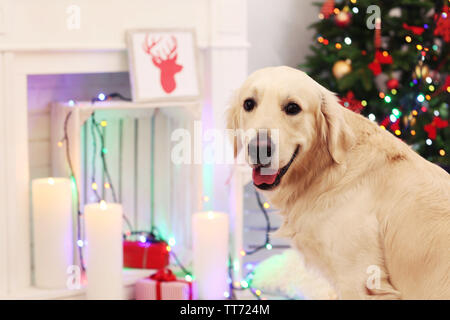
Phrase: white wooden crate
x=178 y=188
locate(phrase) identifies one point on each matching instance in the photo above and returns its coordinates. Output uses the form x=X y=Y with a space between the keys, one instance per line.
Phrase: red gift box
x=145 y=255
x=163 y=285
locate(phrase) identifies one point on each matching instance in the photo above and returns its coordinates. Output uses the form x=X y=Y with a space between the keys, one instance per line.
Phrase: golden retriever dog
x=364 y=209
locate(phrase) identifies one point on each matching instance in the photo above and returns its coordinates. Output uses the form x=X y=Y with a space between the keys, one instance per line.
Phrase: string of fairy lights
x=98 y=131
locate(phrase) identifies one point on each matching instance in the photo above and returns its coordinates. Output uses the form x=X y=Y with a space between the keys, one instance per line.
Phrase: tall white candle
x=103 y=223
x=210 y=254
x=52 y=231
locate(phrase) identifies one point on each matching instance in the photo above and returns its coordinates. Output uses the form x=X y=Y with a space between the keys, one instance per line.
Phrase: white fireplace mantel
x=37 y=37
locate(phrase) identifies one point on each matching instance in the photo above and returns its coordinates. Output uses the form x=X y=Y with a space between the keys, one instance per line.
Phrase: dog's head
x=285 y=118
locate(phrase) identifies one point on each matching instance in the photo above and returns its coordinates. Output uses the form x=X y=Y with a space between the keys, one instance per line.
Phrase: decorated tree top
x=388 y=59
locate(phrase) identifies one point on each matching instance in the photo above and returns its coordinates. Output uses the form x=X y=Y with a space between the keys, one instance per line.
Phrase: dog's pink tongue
x=264 y=177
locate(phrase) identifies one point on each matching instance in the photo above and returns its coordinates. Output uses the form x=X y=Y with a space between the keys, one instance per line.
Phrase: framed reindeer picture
x=163 y=65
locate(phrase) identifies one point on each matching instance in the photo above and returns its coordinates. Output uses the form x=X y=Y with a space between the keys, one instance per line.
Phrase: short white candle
x=104 y=258
x=210 y=254
x=52 y=231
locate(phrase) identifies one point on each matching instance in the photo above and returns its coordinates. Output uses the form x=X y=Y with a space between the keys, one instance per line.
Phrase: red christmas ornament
x=351 y=103
x=383 y=57
x=432 y=127
x=416 y=30
x=343 y=19
x=375 y=66
x=327 y=8
x=395 y=126
x=443 y=24
x=392 y=84
x=385 y=122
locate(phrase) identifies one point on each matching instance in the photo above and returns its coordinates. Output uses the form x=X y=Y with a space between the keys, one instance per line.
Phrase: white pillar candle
x=210 y=254
x=104 y=260
x=52 y=231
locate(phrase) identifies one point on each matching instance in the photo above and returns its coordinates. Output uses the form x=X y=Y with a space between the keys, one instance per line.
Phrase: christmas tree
x=388 y=60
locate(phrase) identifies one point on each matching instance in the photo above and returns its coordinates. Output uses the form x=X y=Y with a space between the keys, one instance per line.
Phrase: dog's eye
x=292 y=109
x=249 y=104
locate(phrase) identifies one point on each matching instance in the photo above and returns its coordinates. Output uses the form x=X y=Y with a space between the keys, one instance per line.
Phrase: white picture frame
x=163 y=65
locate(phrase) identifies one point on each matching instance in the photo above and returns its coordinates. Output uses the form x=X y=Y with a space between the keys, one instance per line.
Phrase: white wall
x=277 y=32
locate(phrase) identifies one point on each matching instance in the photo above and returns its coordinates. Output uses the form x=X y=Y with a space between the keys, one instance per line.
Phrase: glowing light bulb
x=364 y=103
x=242 y=253
x=71 y=103
x=104 y=123
x=428 y=80
x=188 y=278
x=143 y=239
x=266 y=205
x=104 y=151
x=429 y=142
x=387 y=99
x=431 y=88
x=172 y=241
x=60 y=144
x=210 y=215
x=355 y=10
x=413 y=132
x=419 y=47
x=396 y=112
x=393 y=118
x=107 y=185
x=414 y=112
x=420 y=98
x=101 y=97
x=436 y=113
x=442 y=152
x=408 y=39
x=338 y=46
x=94 y=186
x=372 y=117
x=268 y=246
x=168 y=248
x=244 y=284
x=80 y=243
x=397 y=132
x=258 y=292
x=226 y=294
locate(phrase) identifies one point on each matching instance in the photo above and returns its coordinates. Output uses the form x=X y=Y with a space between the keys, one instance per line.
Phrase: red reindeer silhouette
x=167 y=62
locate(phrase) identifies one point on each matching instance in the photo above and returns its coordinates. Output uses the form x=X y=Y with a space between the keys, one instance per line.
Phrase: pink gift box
x=158 y=287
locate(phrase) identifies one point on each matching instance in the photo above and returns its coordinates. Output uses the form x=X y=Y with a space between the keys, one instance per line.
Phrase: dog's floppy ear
x=233 y=123
x=338 y=135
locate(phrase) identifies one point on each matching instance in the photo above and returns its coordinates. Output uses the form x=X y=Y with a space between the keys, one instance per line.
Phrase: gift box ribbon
x=166 y=275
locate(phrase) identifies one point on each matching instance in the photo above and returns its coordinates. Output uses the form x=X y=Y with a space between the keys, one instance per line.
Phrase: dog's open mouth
x=269 y=181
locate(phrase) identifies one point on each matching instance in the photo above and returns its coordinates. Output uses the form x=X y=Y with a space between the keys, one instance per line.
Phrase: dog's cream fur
x=356 y=198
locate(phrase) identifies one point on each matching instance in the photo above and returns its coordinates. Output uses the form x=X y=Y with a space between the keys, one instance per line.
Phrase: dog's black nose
x=260 y=150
